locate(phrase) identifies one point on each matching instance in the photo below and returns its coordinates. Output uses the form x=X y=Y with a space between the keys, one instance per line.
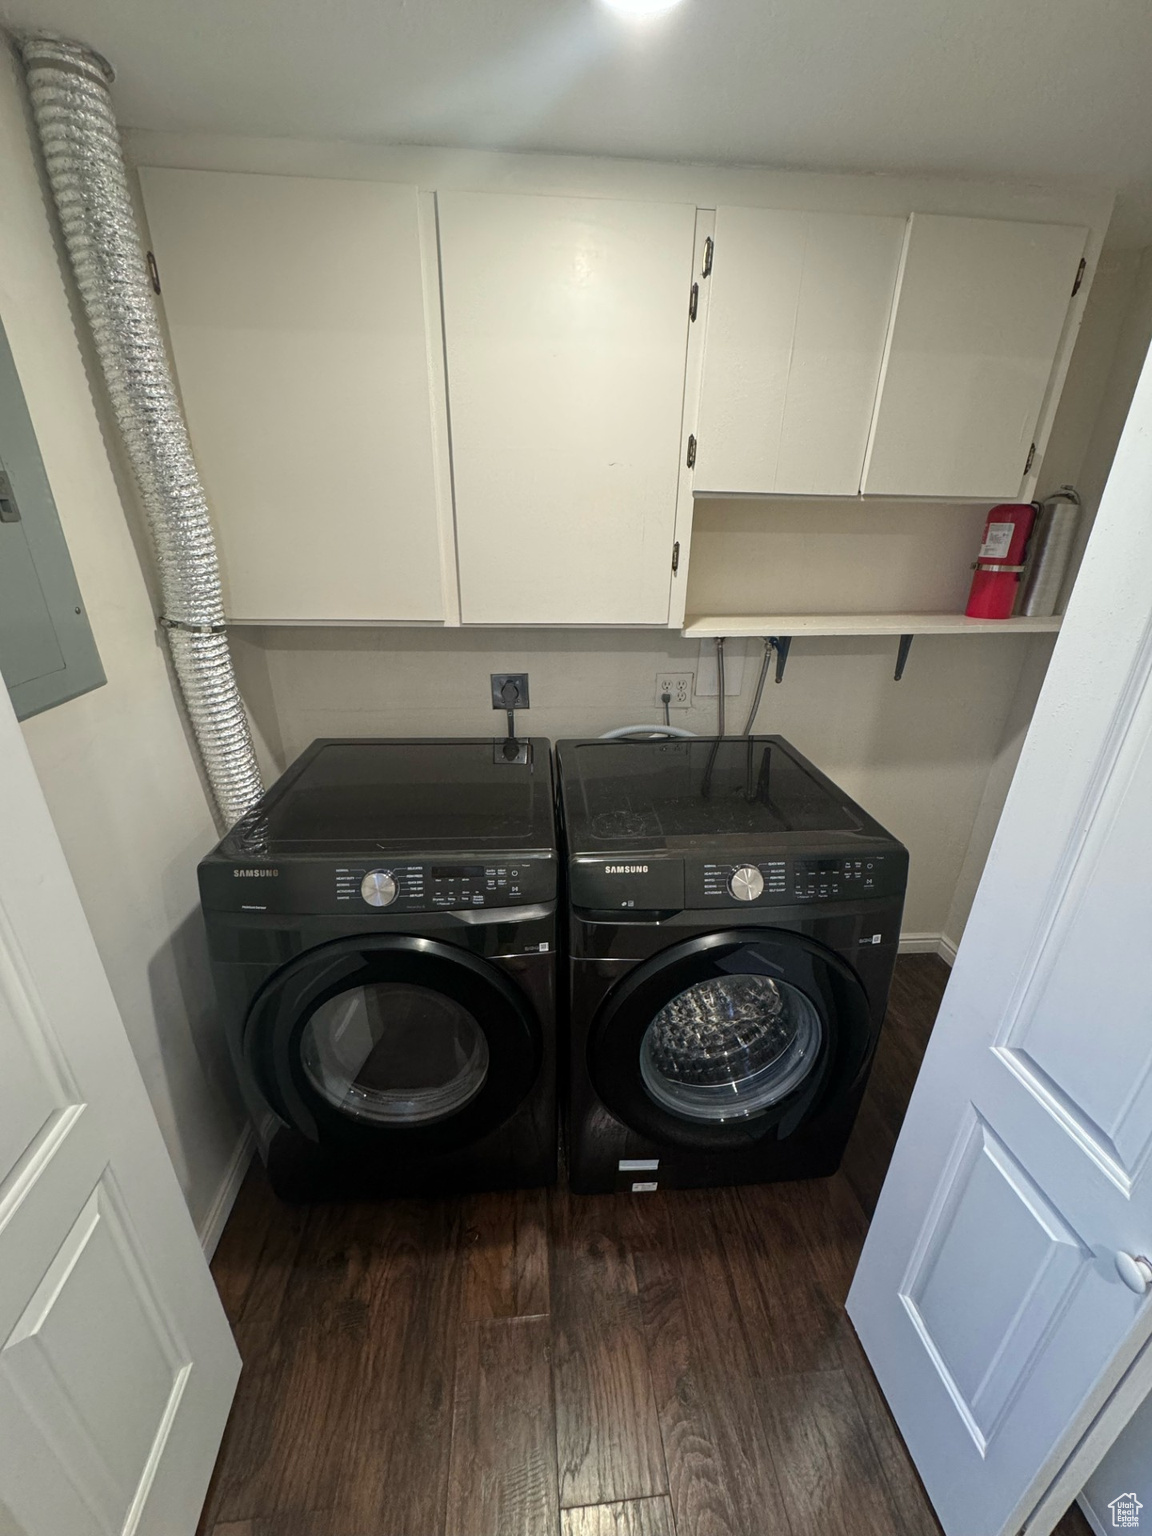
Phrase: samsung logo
x=254 y=874
x=625 y=869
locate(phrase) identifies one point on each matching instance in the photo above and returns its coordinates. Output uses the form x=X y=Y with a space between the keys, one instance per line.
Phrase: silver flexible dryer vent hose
x=72 y=106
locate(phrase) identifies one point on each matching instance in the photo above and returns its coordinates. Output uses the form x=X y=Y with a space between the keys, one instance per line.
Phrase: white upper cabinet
x=798 y=311
x=566 y=329
x=298 y=319
x=980 y=307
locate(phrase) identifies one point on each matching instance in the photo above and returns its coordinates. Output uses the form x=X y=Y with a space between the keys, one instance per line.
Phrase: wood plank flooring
x=537 y=1364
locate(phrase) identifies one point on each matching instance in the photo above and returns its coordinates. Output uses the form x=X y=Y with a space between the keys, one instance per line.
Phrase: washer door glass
x=730 y=1047
x=394 y=1053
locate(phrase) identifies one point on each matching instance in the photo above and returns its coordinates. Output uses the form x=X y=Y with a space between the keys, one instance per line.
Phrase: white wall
x=115 y=764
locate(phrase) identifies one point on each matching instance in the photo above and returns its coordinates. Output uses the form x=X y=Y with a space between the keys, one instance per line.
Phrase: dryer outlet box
x=509 y=690
x=678 y=687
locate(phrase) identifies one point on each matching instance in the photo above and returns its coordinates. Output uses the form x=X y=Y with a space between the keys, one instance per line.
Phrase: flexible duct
x=72 y=107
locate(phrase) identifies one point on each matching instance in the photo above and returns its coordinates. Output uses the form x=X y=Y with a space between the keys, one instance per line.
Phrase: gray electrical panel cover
x=47 y=653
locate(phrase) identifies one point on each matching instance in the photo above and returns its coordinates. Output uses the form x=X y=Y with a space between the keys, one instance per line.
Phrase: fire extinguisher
x=1000 y=561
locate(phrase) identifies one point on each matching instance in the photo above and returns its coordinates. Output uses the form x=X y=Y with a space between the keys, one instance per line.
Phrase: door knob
x=1135 y=1271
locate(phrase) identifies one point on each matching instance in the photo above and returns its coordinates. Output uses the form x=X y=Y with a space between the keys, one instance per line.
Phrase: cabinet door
x=296 y=309
x=565 y=324
x=980 y=308
x=797 y=315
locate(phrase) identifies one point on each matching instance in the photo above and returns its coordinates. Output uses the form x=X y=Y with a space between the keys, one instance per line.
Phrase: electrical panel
x=47 y=653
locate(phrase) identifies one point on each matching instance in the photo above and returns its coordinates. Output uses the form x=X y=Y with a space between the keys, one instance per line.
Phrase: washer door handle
x=1135 y=1271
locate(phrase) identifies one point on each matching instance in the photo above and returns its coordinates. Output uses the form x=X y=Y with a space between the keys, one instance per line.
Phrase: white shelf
x=795 y=624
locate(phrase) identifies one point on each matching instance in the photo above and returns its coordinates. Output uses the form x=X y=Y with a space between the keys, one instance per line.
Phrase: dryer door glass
x=393 y=1053
x=730 y=1047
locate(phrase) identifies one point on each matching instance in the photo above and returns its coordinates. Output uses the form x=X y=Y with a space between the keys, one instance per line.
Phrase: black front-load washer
x=733 y=919
x=382 y=932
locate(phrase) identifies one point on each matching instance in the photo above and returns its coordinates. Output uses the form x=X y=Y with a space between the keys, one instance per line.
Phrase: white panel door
x=979 y=313
x=798 y=311
x=566 y=327
x=988 y=1295
x=297 y=313
x=117 y=1368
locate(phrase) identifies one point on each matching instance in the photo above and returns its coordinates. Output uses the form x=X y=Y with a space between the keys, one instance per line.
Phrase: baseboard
x=213 y=1224
x=919 y=943
x=928 y=944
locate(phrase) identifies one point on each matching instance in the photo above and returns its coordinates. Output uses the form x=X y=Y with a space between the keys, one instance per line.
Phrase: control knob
x=379 y=888
x=746 y=883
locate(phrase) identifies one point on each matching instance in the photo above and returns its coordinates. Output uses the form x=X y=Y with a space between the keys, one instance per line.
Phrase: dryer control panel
x=508 y=883
x=364 y=886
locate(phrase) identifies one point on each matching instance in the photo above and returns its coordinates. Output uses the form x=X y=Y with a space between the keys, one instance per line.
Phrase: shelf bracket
x=781 y=644
x=902 y=656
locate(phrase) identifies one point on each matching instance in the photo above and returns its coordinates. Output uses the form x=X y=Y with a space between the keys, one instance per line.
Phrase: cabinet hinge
x=1080 y=270
x=706 y=268
x=1031 y=456
x=691 y=458
x=153 y=272
x=676 y=557
x=693 y=301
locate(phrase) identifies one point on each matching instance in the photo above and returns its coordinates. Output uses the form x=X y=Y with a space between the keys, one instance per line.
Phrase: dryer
x=382 y=933
x=733 y=920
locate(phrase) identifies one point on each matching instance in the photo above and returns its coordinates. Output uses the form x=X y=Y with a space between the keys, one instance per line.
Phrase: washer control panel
x=379 y=888
x=795 y=881
x=746 y=883
x=825 y=879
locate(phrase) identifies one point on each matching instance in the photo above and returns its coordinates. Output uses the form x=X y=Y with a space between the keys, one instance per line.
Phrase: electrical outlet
x=678 y=685
x=509 y=690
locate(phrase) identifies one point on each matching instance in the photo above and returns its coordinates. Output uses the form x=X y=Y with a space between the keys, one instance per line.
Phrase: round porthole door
x=393 y=1042
x=729 y=1038
x=394 y=1054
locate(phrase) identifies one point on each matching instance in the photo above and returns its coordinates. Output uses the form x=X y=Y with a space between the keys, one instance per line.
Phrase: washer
x=382 y=931
x=733 y=920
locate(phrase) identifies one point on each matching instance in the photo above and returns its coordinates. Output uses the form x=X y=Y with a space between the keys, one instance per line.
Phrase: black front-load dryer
x=733 y=920
x=382 y=932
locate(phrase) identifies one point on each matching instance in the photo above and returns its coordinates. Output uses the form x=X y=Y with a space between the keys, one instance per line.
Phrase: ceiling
x=1000 y=88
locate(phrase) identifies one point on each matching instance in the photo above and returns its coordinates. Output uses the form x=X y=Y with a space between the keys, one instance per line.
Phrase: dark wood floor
x=537 y=1364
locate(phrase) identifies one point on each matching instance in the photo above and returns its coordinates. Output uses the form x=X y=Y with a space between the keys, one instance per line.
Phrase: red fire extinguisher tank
x=1000 y=561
